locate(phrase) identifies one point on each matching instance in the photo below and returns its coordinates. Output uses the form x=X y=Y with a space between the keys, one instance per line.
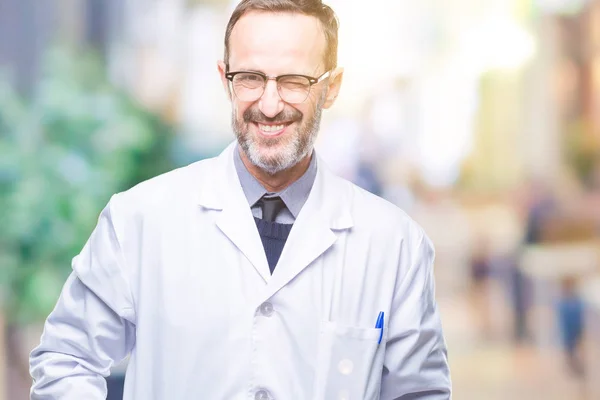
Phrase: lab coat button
x=266 y=309
x=346 y=366
x=262 y=395
x=344 y=395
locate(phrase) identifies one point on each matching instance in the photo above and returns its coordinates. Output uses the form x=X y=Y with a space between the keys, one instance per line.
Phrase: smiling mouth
x=272 y=129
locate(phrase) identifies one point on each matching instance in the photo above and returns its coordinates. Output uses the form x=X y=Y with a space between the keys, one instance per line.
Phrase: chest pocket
x=349 y=363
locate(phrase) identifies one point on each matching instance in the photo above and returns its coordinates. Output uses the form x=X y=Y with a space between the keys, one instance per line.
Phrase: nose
x=270 y=104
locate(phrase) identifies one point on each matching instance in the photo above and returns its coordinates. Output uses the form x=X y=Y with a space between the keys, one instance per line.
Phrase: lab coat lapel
x=235 y=219
x=324 y=215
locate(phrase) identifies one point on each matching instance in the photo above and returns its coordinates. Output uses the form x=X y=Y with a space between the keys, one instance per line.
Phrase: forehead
x=277 y=43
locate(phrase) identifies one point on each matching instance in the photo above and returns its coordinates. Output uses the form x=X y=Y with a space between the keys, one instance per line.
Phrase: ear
x=222 y=69
x=333 y=88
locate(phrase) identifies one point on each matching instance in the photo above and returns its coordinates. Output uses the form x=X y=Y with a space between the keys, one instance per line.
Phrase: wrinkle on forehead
x=278 y=43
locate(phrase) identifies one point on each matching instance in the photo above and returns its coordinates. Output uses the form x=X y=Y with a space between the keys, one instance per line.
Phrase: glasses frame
x=311 y=79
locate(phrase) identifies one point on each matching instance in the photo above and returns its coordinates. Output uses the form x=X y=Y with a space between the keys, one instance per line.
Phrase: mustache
x=255 y=115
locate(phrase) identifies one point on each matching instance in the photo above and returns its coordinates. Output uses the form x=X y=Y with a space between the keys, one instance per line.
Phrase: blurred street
x=498 y=370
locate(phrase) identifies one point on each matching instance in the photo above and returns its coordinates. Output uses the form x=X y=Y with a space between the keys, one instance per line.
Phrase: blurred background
x=481 y=119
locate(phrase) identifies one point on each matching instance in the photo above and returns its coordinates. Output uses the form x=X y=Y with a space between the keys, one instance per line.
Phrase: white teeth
x=271 y=128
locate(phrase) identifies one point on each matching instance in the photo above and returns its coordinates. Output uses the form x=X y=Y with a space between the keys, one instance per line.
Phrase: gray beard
x=295 y=150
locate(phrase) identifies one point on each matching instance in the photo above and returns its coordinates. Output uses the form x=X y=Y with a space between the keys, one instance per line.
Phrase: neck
x=279 y=181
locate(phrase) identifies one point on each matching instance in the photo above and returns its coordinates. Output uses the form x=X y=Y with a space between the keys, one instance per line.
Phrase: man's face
x=276 y=135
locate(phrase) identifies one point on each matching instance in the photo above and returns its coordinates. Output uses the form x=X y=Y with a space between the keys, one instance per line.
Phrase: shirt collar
x=294 y=196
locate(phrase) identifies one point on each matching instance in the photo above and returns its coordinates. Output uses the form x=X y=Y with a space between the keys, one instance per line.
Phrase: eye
x=294 y=82
x=249 y=80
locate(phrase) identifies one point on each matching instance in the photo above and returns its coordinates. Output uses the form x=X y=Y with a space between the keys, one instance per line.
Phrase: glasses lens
x=248 y=86
x=293 y=89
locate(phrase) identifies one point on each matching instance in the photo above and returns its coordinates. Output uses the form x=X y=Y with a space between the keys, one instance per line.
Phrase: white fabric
x=175 y=274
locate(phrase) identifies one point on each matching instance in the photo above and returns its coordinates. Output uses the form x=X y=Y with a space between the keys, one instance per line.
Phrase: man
x=257 y=274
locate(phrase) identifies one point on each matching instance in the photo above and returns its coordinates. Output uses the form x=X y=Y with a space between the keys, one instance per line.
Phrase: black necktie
x=271 y=206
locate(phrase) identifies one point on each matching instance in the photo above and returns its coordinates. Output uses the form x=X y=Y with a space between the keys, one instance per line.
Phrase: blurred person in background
x=367 y=178
x=258 y=273
x=480 y=285
x=570 y=310
x=541 y=207
x=590 y=207
x=538 y=207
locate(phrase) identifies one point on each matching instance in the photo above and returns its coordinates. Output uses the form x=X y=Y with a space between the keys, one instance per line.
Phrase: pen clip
x=379 y=325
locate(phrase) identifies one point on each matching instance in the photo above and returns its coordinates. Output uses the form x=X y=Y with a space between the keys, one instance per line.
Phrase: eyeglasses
x=292 y=88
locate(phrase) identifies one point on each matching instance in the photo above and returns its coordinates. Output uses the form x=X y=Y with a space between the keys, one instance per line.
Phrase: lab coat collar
x=326 y=212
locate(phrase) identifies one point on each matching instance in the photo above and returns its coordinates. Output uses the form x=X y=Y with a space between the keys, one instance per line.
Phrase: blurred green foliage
x=63 y=153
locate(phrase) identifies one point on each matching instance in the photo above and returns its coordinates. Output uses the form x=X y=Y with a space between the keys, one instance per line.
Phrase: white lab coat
x=175 y=274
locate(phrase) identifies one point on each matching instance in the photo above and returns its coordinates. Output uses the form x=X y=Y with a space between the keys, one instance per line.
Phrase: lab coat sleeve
x=416 y=364
x=92 y=325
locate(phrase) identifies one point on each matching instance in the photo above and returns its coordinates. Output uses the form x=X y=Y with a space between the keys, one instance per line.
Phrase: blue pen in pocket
x=379 y=325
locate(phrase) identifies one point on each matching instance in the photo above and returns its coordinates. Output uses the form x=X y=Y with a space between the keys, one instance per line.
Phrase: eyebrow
x=242 y=68
x=264 y=73
x=251 y=70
